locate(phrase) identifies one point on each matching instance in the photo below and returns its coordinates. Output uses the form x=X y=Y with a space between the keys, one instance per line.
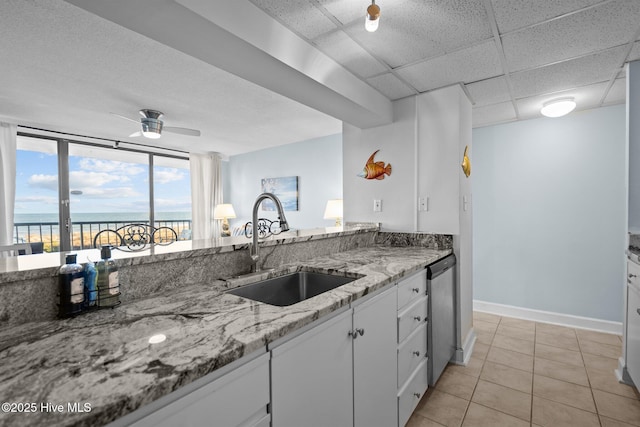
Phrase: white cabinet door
x=633 y=333
x=374 y=361
x=312 y=377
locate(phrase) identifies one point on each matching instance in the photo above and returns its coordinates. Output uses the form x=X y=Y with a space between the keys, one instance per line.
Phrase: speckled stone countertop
x=104 y=358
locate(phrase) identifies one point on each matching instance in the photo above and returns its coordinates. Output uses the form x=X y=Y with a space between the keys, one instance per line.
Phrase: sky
x=106 y=185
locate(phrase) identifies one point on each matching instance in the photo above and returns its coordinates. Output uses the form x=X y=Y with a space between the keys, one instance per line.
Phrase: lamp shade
x=224 y=210
x=333 y=209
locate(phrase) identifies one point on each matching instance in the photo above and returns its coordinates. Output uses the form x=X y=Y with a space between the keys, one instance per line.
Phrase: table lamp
x=334 y=210
x=224 y=211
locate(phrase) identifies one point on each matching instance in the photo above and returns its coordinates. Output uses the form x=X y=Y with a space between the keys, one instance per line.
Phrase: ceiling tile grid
x=618 y=92
x=568 y=74
x=391 y=86
x=299 y=15
x=492 y=114
x=490 y=91
x=607 y=25
x=466 y=66
x=586 y=97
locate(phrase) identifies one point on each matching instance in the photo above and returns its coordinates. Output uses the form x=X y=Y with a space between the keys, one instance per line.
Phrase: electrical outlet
x=377 y=205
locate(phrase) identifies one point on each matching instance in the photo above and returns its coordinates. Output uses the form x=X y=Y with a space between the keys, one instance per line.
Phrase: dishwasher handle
x=439 y=267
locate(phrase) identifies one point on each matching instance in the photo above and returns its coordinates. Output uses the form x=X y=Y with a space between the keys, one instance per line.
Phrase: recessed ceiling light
x=558 y=107
x=372 y=19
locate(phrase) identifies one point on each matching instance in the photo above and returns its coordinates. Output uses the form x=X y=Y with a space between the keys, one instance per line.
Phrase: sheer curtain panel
x=8 y=137
x=206 y=193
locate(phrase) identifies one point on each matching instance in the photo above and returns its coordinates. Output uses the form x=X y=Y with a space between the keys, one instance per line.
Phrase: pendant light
x=558 y=107
x=372 y=19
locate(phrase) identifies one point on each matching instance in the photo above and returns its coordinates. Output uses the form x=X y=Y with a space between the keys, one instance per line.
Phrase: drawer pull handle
x=416 y=353
x=354 y=333
x=638 y=310
x=416 y=290
x=417 y=395
x=632 y=275
x=360 y=331
x=417 y=318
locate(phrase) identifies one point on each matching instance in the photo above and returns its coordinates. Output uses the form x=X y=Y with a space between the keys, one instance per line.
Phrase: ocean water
x=39 y=218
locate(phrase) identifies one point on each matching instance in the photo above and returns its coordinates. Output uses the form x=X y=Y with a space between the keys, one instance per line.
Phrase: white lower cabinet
x=239 y=398
x=633 y=333
x=340 y=373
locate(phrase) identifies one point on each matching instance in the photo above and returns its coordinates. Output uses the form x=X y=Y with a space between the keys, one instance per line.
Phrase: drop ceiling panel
x=608 y=25
x=514 y=14
x=491 y=114
x=618 y=92
x=349 y=11
x=490 y=91
x=586 y=97
x=634 y=55
x=350 y=54
x=413 y=30
x=578 y=72
x=391 y=86
x=466 y=66
x=299 y=15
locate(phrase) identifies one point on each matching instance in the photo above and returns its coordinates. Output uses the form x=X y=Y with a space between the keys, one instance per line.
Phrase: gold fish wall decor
x=466 y=163
x=375 y=170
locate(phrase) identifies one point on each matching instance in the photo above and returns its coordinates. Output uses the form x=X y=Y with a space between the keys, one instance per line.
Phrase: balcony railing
x=48 y=233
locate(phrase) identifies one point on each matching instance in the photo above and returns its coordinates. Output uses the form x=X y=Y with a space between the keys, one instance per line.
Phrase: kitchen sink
x=291 y=288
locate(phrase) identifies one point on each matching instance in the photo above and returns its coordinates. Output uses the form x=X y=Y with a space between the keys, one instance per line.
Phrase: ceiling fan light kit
x=152 y=125
x=372 y=19
x=558 y=107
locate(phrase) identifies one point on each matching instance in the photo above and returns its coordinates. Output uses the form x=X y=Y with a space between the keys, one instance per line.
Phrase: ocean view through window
x=106 y=188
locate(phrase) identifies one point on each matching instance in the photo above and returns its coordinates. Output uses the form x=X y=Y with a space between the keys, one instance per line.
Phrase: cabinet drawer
x=411 y=352
x=410 y=395
x=234 y=399
x=633 y=273
x=412 y=317
x=412 y=288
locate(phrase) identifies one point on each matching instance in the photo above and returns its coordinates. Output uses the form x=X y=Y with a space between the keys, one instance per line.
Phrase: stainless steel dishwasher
x=441 y=328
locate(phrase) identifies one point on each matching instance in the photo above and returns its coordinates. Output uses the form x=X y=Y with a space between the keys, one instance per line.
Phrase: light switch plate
x=377 y=205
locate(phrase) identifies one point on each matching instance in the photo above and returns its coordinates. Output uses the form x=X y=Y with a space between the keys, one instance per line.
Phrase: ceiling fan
x=152 y=125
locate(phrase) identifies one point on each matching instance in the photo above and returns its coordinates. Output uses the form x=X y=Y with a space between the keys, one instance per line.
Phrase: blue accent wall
x=549 y=213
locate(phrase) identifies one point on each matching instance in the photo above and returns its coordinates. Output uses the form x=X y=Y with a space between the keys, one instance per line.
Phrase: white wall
x=318 y=165
x=549 y=213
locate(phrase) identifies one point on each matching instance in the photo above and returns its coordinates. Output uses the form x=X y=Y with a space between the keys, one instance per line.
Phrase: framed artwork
x=285 y=188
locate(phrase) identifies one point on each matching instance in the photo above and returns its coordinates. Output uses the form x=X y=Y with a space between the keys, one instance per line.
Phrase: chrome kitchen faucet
x=284 y=226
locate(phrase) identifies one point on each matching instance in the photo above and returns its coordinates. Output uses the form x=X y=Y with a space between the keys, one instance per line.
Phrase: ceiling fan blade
x=182 y=131
x=135 y=134
x=126 y=118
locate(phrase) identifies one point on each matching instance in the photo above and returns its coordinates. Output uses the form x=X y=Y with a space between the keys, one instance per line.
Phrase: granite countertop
x=104 y=358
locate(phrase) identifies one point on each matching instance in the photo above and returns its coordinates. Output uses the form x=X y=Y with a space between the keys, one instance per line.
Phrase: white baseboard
x=462 y=356
x=569 y=320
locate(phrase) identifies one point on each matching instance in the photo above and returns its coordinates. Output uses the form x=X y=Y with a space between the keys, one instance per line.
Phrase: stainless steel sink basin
x=291 y=288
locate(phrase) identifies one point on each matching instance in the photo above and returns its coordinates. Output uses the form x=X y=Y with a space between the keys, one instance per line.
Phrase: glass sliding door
x=36 y=215
x=172 y=195
x=108 y=188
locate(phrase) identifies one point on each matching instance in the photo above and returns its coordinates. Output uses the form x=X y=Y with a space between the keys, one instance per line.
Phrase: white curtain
x=206 y=193
x=8 y=137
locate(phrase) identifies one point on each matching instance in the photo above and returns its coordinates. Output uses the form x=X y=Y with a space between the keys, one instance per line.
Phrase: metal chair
x=15 y=250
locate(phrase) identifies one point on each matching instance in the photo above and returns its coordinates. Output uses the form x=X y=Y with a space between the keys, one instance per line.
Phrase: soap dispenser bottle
x=71 y=287
x=108 y=285
x=90 y=284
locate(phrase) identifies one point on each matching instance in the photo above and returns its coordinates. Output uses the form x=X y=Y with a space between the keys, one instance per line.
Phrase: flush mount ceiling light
x=558 y=107
x=372 y=19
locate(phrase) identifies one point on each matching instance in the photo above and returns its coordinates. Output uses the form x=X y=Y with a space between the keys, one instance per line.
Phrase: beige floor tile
x=519 y=333
x=563 y=392
x=510 y=358
x=561 y=371
x=418 y=420
x=618 y=407
x=553 y=414
x=590 y=347
x=610 y=422
x=570 y=343
x=514 y=344
x=547 y=328
x=601 y=363
x=607 y=381
x=473 y=368
x=486 y=317
x=481 y=416
x=600 y=337
x=443 y=408
x=480 y=350
x=559 y=354
x=484 y=337
x=458 y=384
x=483 y=326
x=507 y=376
x=518 y=323
x=503 y=399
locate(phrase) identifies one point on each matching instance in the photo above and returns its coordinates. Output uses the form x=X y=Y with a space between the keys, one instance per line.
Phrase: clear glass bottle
x=71 y=287
x=108 y=285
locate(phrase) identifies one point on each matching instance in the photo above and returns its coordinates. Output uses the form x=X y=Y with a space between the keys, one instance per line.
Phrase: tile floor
x=524 y=373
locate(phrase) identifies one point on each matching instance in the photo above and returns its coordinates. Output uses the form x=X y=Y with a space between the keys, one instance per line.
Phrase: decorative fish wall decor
x=375 y=170
x=466 y=163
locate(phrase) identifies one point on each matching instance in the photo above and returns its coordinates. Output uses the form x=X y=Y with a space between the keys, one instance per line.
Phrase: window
x=172 y=195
